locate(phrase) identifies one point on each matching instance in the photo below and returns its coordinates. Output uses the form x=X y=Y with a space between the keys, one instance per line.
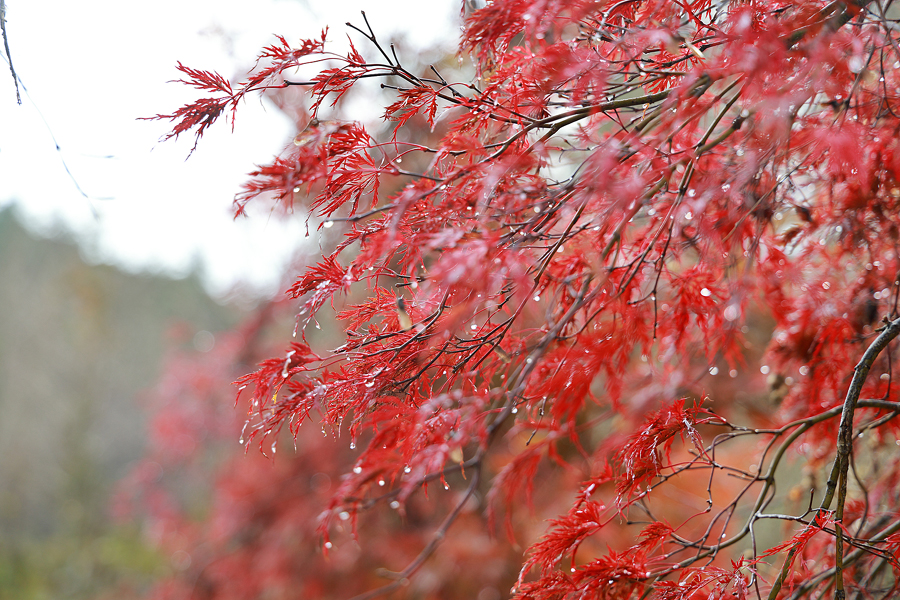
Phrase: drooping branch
x=837 y=479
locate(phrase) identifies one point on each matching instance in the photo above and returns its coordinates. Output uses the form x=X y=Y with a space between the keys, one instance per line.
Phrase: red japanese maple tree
x=551 y=275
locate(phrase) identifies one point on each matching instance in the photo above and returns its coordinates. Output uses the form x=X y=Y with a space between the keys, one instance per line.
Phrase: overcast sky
x=92 y=67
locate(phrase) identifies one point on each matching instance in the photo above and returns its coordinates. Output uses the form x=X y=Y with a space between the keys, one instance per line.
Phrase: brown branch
x=837 y=480
x=402 y=578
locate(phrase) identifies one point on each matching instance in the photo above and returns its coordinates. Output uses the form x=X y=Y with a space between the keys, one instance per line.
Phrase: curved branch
x=837 y=480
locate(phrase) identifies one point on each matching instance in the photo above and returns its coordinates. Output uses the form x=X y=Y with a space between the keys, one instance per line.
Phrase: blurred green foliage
x=78 y=343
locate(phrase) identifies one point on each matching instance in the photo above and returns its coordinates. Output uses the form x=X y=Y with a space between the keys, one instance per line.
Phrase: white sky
x=92 y=67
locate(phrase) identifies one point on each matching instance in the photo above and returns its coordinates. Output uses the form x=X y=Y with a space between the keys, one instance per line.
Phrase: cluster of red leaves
x=204 y=112
x=547 y=262
x=640 y=459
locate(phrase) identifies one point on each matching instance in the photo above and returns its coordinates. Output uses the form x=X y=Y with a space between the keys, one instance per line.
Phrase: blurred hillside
x=78 y=343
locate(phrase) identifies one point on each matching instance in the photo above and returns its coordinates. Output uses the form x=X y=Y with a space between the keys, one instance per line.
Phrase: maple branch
x=838 y=477
x=851 y=558
x=837 y=480
x=402 y=578
x=833 y=16
x=800 y=427
x=508 y=204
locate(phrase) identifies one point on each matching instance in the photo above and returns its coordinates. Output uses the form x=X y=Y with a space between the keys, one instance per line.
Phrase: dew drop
x=733 y=373
x=764 y=369
x=804 y=370
x=381 y=482
x=705 y=293
x=344 y=515
x=328 y=224
x=357 y=470
x=515 y=410
x=395 y=505
x=328 y=545
x=537 y=298
x=353 y=445
x=407 y=469
x=731 y=312
x=714 y=370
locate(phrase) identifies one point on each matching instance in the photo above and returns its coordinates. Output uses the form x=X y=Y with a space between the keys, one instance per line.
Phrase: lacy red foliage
x=651 y=246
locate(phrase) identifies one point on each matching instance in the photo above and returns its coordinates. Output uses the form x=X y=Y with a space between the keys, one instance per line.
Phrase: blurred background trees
x=78 y=344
